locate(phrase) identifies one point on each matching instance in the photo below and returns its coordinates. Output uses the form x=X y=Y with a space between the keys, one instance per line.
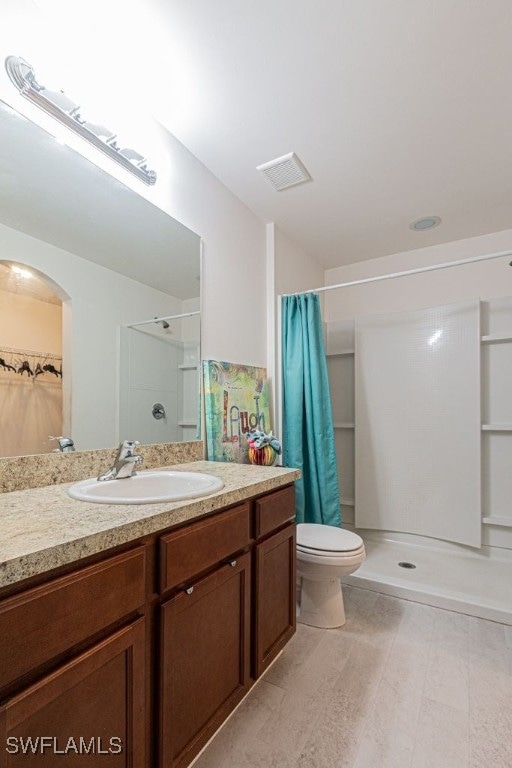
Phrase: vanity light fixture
x=59 y=106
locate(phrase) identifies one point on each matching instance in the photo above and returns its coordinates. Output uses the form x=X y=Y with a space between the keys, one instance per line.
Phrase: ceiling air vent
x=285 y=171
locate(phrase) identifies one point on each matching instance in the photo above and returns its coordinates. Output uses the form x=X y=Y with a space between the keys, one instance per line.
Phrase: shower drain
x=406 y=565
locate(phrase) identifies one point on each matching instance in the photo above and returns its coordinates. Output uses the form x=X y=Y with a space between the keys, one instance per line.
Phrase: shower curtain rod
x=402 y=274
x=159 y=319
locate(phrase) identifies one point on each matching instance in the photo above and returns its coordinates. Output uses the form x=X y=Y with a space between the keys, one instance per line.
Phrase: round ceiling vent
x=426 y=222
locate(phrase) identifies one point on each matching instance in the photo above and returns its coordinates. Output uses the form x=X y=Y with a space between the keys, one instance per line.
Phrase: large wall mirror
x=84 y=262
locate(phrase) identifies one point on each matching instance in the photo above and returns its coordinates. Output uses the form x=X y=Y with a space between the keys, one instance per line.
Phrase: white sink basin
x=147 y=488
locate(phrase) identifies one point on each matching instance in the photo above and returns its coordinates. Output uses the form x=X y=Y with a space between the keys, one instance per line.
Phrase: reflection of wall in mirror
x=159 y=366
x=101 y=301
x=30 y=405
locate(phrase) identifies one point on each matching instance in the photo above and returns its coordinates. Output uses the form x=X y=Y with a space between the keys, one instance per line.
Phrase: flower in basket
x=264 y=447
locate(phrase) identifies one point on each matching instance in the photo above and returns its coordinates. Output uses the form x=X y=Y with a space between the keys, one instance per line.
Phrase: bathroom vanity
x=135 y=640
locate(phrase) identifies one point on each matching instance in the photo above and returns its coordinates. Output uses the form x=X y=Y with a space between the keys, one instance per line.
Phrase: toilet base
x=321 y=603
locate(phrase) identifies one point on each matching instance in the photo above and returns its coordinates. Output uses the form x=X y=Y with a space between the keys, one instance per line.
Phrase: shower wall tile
x=418 y=422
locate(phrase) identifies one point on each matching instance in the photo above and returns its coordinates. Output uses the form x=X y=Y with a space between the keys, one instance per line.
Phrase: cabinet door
x=80 y=604
x=205 y=669
x=274 y=608
x=89 y=712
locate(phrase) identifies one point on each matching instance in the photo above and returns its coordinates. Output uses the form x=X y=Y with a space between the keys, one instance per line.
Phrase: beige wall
x=28 y=323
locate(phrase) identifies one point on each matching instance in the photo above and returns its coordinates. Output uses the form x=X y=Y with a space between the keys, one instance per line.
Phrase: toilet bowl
x=324 y=555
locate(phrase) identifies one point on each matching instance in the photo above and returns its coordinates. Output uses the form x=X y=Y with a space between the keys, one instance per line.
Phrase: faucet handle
x=65 y=443
x=127 y=447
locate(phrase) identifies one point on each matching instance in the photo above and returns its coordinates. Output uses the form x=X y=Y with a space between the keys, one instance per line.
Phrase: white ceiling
x=398 y=108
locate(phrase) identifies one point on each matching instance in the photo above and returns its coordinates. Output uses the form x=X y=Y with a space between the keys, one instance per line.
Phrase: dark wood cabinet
x=274 y=596
x=45 y=622
x=205 y=666
x=134 y=658
x=193 y=549
x=88 y=712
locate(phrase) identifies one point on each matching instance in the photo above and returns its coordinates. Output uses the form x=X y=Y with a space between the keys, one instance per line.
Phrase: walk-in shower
x=159 y=379
x=423 y=429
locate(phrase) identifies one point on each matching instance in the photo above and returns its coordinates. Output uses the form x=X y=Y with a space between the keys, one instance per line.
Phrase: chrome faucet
x=66 y=445
x=125 y=462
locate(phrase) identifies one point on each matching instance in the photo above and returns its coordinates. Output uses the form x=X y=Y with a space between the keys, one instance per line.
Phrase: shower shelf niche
x=496 y=338
x=496 y=428
x=504 y=522
x=340 y=354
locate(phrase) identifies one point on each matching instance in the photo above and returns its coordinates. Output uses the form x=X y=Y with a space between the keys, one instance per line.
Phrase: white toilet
x=324 y=555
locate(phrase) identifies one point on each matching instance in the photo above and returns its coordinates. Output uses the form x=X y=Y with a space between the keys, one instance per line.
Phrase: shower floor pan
x=470 y=583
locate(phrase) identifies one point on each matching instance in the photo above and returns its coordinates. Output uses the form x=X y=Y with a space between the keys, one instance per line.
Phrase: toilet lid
x=327 y=538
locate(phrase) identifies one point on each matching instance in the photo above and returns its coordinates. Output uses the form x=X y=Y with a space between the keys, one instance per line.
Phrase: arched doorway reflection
x=31 y=391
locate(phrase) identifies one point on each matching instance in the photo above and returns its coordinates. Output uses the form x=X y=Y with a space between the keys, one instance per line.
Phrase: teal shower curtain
x=308 y=436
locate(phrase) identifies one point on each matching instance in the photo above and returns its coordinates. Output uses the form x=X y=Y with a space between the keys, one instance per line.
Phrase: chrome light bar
x=63 y=109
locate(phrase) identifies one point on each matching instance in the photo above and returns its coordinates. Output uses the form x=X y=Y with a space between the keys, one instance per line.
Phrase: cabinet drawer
x=38 y=625
x=274 y=510
x=192 y=550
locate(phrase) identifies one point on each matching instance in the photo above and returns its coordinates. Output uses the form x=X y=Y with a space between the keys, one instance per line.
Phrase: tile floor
x=401 y=685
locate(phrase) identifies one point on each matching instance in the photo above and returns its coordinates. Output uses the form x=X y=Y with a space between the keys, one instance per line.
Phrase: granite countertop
x=43 y=528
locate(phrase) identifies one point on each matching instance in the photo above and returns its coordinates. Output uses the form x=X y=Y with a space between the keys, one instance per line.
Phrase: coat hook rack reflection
x=32 y=363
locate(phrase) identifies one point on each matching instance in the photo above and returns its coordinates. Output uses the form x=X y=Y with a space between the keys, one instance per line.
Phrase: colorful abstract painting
x=236 y=400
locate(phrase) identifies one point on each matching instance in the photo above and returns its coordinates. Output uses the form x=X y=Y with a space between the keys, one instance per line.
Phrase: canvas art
x=236 y=400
